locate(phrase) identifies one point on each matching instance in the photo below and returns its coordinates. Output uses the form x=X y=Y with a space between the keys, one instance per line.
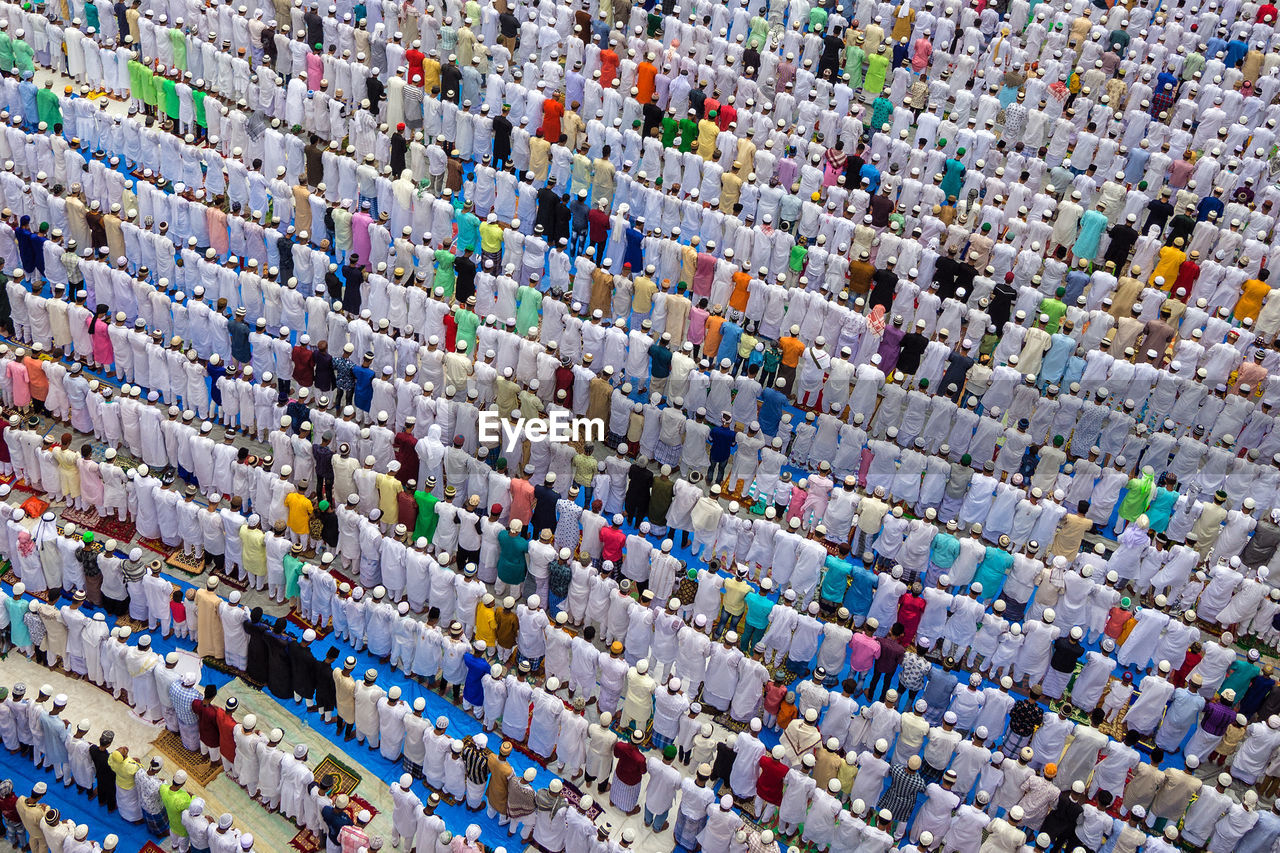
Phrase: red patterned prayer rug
x=111 y=527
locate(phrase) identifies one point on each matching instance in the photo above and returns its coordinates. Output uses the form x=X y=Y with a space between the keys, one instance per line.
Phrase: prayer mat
x=220 y=666
x=348 y=779
x=295 y=619
x=11 y=578
x=198 y=770
x=729 y=723
x=1115 y=729
x=782 y=673
x=110 y=526
x=152 y=847
x=230 y=581
x=154 y=545
x=12 y=481
x=573 y=794
x=191 y=565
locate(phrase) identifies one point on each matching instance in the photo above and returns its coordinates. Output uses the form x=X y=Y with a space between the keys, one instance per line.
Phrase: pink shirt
x=697 y=325
x=863 y=651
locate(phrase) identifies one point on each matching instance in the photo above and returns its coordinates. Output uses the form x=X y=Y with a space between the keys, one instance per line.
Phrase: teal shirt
x=512 y=566
x=1239 y=675
x=758 y=609
x=943 y=550
x=992 y=570
x=836 y=578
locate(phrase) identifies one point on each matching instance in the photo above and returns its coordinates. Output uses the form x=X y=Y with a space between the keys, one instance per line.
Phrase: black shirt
x=1158 y=213
x=910 y=352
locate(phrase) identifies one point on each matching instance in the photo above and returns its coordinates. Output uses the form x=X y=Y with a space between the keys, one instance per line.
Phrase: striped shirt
x=476 y=763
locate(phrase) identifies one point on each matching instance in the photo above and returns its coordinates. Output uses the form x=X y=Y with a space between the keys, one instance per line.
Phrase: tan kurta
x=345 y=691
x=208 y=625
x=678 y=308
x=302 y=208
x=1071 y=531
x=539 y=158
x=499 y=774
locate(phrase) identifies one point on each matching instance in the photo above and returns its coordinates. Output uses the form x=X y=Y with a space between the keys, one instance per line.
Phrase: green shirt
x=198 y=97
x=468 y=322
x=670 y=127
x=427 y=517
x=528 y=306
x=688 y=134
x=179 y=42
x=24 y=56
x=170 y=89
x=48 y=107
x=1055 y=308
x=6 y=52
x=175 y=803
x=445 y=276
x=796 y=260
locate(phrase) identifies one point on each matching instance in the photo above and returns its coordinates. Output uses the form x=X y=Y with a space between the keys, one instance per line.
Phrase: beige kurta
x=208 y=625
x=345 y=691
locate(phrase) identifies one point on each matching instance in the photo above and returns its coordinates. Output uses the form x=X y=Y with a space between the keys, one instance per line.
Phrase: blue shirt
x=730 y=335
x=861 y=588
x=937 y=692
x=364 y=387
x=722 y=441
x=772 y=404
x=473 y=687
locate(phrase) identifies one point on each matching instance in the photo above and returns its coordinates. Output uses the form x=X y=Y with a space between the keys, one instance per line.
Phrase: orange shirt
x=738 y=299
x=791 y=348
x=36 y=379
x=645 y=74
x=711 y=343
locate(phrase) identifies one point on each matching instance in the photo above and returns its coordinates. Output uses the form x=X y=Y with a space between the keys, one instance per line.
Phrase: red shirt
x=774 y=693
x=769 y=783
x=414 y=58
x=612 y=541
x=450 y=333
x=407 y=510
x=227 y=732
x=406 y=450
x=564 y=382
x=910 y=609
x=608 y=67
x=629 y=767
x=304 y=366
x=552 y=112
x=598 y=224
x=210 y=731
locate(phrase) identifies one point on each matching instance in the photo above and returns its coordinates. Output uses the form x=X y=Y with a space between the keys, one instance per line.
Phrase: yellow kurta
x=708 y=133
x=1171 y=258
x=253 y=550
x=298 y=509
